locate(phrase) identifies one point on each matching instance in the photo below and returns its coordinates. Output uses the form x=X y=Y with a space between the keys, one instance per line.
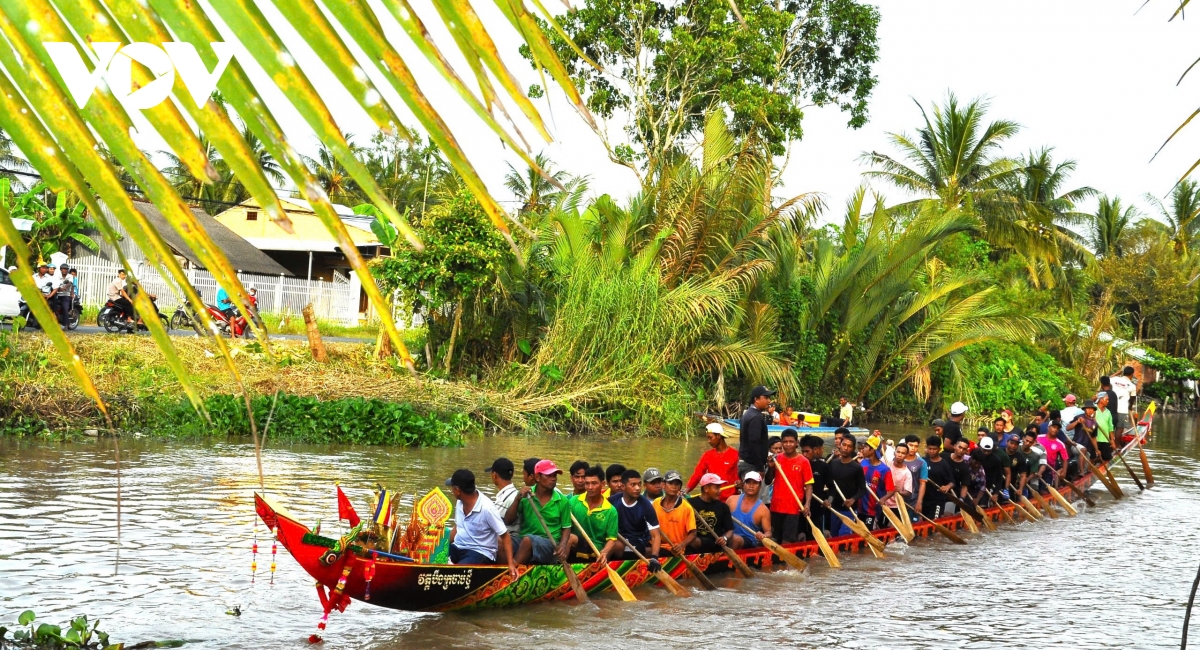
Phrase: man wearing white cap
x=952 y=431
x=721 y=460
x=748 y=509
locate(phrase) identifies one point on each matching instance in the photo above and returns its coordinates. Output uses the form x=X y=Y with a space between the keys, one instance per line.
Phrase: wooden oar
x=887 y=512
x=946 y=532
x=576 y=586
x=859 y=527
x=1062 y=501
x=826 y=550
x=905 y=516
x=1083 y=495
x=1041 y=501
x=830 y=556
x=970 y=513
x=692 y=568
x=1104 y=477
x=1028 y=506
x=1146 y=467
x=1138 y=481
x=615 y=578
x=663 y=577
x=1003 y=512
x=780 y=552
x=737 y=562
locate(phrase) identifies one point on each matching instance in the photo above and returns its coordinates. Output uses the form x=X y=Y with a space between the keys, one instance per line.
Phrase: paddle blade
x=738 y=563
x=787 y=556
x=1045 y=505
x=1146 y=468
x=576 y=586
x=947 y=533
x=826 y=551
x=1062 y=501
x=674 y=587
x=969 y=522
x=619 y=584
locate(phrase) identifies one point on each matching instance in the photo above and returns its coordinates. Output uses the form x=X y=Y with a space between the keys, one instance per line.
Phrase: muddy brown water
x=1117 y=576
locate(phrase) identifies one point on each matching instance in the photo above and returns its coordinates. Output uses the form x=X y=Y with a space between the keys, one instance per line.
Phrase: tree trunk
x=383 y=346
x=454 y=334
x=315 y=344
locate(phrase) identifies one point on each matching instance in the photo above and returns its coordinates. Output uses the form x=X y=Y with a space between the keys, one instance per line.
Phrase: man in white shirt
x=1068 y=414
x=502 y=471
x=1125 y=389
x=479 y=535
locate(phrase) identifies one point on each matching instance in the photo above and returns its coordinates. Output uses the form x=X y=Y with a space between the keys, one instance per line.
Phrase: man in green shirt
x=1104 y=428
x=597 y=518
x=550 y=506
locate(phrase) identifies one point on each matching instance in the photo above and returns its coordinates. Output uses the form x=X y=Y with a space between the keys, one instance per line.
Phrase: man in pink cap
x=1069 y=412
x=712 y=509
x=546 y=505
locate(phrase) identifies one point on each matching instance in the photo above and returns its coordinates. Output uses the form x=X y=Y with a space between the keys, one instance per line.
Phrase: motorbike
x=235 y=327
x=31 y=321
x=112 y=318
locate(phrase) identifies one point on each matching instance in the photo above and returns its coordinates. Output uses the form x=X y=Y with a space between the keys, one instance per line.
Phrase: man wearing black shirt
x=961 y=466
x=753 y=444
x=995 y=465
x=812 y=447
x=1018 y=466
x=846 y=474
x=941 y=478
x=712 y=509
x=952 y=432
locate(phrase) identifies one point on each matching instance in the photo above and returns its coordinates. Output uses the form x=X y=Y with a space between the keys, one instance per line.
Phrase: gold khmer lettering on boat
x=444 y=580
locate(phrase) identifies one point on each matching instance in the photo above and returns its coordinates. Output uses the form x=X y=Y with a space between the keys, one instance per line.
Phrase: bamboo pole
x=315 y=344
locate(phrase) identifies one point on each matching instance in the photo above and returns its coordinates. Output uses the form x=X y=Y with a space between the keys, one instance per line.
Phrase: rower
x=528 y=474
x=977 y=487
x=748 y=509
x=838 y=434
x=996 y=466
x=902 y=479
x=919 y=469
x=636 y=520
x=1104 y=427
x=676 y=518
x=720 y=459
x=714 y=511
x=952 y=430
x=939 y=430
x=878 y=477
x=768 y=487
x=999 y=432
x=652 y=483
x=797 y=472
x=846 y=474
x=813 y=448
x=1035 y=455
x=552 y=505
x=506 y=494
x=578 y=469
x=479 y=535
x=941 y=474
x=1018 y=465
x=598 y=518
x=960 y=464
x=612 y=476
x=1056 y=451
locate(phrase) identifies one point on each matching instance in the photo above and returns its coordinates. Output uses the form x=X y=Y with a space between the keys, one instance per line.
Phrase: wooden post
x=383 y=345
x=314 y=335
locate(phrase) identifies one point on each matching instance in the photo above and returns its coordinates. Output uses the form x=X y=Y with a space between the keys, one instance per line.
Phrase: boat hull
x=411 y=586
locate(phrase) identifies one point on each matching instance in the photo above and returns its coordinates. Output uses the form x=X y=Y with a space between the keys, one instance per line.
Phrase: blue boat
x=776 y=429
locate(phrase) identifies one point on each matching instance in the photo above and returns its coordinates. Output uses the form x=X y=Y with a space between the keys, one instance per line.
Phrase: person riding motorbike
x=116 y=293
x=225 y=304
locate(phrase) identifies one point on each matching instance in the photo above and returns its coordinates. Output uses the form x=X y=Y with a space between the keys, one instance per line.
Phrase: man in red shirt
x=721 y=460
x=790 y=468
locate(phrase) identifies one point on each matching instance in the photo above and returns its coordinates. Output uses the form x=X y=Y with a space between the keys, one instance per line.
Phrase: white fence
x=337 y=300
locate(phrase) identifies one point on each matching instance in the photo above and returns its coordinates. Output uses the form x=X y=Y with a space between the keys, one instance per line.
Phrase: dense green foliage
x=669 y=64
x=1017 y=377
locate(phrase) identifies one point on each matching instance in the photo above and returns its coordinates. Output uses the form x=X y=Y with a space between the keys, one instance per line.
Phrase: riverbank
x=353 y=398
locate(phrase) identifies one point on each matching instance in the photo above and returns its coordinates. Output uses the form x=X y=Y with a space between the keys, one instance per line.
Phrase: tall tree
x=333 y=176
x=669 y=64
x=1107 y=229
x=1181 y=216
x=533 y=189
x=11 y=162
x=956 y=159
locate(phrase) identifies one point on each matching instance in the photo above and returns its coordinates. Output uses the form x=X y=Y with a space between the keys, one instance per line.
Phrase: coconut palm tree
x=1181 y=217
x=1041 y=188
x=532 y=189
x=332 y=175
x=955 y=159
x=10 y=162
x=1108 y=228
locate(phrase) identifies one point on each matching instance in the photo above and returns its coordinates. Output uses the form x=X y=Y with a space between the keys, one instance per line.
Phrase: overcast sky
x=1090 y=78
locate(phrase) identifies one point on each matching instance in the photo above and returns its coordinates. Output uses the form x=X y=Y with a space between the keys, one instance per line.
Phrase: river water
x=1117 y=576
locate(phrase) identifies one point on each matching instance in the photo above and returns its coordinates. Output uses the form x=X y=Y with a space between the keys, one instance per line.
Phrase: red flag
x=345 y=510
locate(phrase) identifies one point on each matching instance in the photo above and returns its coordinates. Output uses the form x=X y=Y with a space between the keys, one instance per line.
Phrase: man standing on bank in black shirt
x=952 y=431
x=812 y=447
x=753 y=444
x=941 y=478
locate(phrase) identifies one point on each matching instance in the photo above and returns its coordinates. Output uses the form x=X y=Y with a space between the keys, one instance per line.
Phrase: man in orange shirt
x=676 y=519
x=721 y=460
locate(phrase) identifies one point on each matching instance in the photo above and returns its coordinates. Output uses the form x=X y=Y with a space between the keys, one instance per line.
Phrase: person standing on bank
x=845 y=412
x=753 y=444
x=479 y=535
x=1123 y=384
